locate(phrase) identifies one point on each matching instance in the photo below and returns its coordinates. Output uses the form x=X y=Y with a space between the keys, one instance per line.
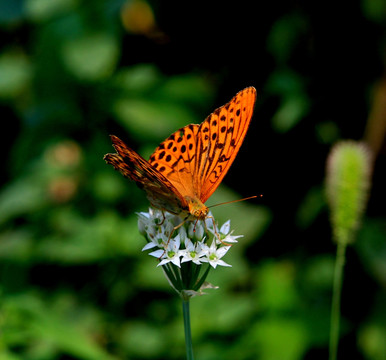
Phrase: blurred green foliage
x=74 y=283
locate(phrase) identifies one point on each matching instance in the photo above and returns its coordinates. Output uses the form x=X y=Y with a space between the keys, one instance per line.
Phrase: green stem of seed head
x=335 y=306
x=347 y=186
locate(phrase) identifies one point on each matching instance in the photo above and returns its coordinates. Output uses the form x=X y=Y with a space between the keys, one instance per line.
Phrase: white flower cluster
x=188 y=242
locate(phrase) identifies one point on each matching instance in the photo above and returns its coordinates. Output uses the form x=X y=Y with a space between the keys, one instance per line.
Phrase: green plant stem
x=188 y=333
x=335 y=308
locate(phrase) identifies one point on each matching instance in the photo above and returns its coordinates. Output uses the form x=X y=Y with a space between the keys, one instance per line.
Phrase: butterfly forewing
x=176 y=159
x=219 y=139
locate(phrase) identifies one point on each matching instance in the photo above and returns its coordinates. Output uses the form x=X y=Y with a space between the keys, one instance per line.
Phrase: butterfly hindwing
x=160 y=191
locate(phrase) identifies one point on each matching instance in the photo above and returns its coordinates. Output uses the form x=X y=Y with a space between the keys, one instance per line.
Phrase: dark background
x=74 y=283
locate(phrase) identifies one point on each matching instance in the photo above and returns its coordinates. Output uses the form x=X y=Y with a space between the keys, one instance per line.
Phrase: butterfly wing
x=196 y=157
x=176 y=159
x=160 y=191
x=219 y=139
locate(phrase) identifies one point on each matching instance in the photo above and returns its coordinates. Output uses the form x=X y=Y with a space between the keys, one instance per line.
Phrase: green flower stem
x=202 y=280
x=335 y=308
x=188 y=333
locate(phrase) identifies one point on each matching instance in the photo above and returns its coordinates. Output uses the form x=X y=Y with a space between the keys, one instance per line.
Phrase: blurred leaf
x=62 y=325
x=21 y=197
x=374 y=10
x=143 y=339
x=318 y=274
x=92 y=56
x=284 y=36
x=371 y=247
x=279 y=338
x=15 y=73
x=5 y=355
x=147 y=275
x=275 y=286
x=285 y=82
x=327 y=132
x=246 y=217
x=152 y=106
x=292 y=109
x=39 y=10
x=187 y=89
x=11 y=11
x=372 y=341
x=137 y=79
x=150 y=119
x=231 y=312
x=108 y=186
x=294 y=102
x=310 y=207
x=16 y=245
x=81 y=240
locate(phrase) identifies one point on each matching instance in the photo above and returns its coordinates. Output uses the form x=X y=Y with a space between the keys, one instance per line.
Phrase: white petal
x=158 y=253
x=197 y=261
x=209 y=221
x=174 y=244
x=163 y=262
x=222 y=251
x=189 y=245
x=225 y=228
x=176 y=261
x=186 y=259
x=231 y=239
x=223 y=263
x=213 y=264
x=148 y=246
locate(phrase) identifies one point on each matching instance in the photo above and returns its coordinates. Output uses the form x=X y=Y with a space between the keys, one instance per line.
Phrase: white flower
x=192 y=252
x=213 y=254
x=183 y=246
x=225 y=234
x=157 y=240
x=171 y=253
x=188 y=241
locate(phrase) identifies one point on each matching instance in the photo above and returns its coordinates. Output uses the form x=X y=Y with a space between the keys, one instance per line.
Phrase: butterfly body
x=186 y=168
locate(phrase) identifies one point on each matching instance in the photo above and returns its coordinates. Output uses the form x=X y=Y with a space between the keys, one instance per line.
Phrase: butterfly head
x=197 y=209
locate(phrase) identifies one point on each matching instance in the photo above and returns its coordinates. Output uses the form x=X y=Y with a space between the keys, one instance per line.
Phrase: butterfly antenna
x=234 y=201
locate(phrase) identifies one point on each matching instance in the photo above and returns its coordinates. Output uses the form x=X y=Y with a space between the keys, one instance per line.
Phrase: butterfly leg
x=176 y=228
x=164 y=218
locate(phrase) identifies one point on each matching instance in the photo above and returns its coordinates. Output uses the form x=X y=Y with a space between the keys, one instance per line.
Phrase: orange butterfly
x=188 y=166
